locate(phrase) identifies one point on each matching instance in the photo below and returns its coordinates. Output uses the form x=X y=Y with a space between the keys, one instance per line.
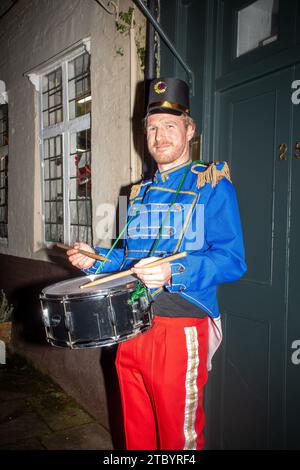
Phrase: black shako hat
x=168 y=95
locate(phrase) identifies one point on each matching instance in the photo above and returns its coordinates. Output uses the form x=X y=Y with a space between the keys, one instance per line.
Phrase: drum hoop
x=86 y=295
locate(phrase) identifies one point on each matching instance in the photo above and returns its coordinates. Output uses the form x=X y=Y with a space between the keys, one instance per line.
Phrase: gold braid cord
x=135 y=190
x=211 y=175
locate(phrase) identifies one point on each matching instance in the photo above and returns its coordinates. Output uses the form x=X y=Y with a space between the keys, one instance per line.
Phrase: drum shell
x=96 y=319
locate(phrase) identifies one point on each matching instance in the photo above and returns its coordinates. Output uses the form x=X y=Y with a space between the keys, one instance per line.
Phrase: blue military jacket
x=203 y=220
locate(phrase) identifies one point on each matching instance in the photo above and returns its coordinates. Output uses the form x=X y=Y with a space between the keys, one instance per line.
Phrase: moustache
x=162 y=144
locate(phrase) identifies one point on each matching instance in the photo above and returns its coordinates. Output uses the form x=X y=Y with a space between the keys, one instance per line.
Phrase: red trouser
x=162 y=374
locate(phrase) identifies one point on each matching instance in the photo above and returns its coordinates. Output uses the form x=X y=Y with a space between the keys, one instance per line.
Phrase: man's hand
x=157 y=276
x=79 y=260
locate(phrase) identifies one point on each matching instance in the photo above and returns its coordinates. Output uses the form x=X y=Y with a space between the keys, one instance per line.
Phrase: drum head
x=71 y=287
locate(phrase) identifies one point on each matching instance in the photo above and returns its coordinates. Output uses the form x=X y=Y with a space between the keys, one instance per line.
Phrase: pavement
x=36 y=414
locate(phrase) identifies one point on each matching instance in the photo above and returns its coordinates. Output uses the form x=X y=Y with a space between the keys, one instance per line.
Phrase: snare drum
x=94 y=316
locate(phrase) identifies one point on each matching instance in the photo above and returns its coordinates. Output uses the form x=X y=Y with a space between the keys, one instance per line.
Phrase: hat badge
x=160 y=87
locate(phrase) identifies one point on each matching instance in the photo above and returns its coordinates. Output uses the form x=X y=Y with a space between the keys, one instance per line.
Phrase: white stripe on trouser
x=191 y=389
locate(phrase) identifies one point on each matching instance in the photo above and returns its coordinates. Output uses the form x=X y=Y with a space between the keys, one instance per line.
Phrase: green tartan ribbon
x=139 y=291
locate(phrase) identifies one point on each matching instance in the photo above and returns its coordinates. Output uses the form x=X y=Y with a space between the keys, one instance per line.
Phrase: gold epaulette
x=135 y=190
x=211 y=175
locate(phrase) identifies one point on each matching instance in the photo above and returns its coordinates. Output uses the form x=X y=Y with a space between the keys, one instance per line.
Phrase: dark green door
x=252 y=399
x=254 y=123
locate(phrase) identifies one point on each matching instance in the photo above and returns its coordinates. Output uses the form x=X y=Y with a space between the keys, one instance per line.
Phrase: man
x=191 y=207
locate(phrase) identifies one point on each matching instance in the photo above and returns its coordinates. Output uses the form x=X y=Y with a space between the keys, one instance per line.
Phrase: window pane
x=80 y=162
x=58 y=143
x=79 y=87
x=53 y=189
x=47 y=211
x=46 y=171
x=257 y=25
x=54 y=233
x=3 y=125
x=52 y=98
x=47 y=232
x=74 y=213
x=80 y=186
x=74 y=234
x=47 y=191
x=79 y=233
x=55 y=167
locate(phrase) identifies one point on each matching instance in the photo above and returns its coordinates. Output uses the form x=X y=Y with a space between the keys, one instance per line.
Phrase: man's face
x=168 y=138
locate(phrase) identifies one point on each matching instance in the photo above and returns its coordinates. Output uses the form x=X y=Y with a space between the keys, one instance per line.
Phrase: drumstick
x=83 y=252
x=111 y=277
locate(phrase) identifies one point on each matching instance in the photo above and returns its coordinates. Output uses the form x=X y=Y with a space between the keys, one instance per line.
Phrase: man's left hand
x=157 y=276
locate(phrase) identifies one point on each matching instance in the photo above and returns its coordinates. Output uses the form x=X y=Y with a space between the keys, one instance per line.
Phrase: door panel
x=252 y=148
x=253 y=120
x=246 y=384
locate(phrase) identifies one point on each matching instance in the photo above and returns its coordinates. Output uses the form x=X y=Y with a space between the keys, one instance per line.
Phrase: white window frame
x=64 y=128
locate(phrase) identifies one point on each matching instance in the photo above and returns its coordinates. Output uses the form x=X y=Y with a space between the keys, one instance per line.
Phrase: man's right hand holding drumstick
x=79 y=260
